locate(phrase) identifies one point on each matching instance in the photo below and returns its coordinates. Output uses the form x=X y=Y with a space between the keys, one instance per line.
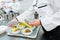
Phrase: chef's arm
x=26 y=14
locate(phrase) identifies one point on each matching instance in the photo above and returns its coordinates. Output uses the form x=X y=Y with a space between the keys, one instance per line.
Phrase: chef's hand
x=35 y=23
x=13 y=22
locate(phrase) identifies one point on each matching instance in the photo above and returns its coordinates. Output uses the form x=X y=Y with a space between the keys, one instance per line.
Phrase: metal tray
x=33 y=35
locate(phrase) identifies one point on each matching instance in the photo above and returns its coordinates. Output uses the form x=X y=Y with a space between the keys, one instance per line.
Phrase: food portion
x=14 y=29
x=26 y=31
x=20 y=25
x=26 y=24
x=12 y=26
x=24 y=27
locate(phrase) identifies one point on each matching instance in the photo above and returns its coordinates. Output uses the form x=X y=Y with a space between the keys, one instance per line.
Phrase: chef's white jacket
x=49 y=15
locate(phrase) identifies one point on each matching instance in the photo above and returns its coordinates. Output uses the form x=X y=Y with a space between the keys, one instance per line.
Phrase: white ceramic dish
x=29 y=33
x=15 y=32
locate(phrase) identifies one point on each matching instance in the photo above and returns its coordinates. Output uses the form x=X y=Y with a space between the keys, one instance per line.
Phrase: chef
x=49 y=16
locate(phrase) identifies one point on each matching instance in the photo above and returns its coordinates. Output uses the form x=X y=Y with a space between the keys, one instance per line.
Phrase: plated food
x=25 y=28
x=14 y=29
x=20 y=25
x=22 y=30
x=26 y=24
x=26 y=31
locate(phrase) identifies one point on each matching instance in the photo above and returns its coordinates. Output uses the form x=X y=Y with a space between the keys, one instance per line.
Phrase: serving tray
x=33 y=35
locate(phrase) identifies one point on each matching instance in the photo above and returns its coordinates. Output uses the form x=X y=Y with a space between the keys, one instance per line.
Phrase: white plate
x=22 y=31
